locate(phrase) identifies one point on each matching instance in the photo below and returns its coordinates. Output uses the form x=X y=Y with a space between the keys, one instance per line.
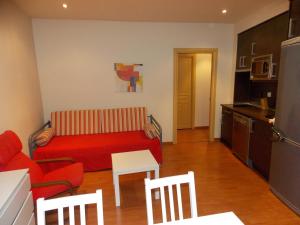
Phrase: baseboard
x=171 y=143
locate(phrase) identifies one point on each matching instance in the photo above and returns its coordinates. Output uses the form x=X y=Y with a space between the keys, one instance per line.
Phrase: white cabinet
x=16 y=204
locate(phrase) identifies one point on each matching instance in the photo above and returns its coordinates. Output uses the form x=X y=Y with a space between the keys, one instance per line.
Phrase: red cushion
x=73 y=173
x=94 y=151
x=10 y=145
x=21 y=161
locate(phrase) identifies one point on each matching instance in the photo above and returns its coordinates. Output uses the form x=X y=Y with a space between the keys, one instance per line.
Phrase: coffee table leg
x=156 y=171
x=117 y=188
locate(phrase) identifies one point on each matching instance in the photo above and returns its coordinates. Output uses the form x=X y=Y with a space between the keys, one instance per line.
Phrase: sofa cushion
x=150 y=131
x=65 y=173
x=97 y=121
x=94 y=151
x=44 y=137
x=10 y=145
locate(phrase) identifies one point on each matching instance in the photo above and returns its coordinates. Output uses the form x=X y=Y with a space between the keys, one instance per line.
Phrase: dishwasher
x=242 y=126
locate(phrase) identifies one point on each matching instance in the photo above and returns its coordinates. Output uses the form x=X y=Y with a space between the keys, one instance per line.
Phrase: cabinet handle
x=273 y=70
x=291 y=28
x=277 y=135
x=242 y=61
x=253 y=44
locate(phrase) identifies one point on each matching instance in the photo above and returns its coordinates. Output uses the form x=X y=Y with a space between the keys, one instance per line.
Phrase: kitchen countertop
x=250 y=111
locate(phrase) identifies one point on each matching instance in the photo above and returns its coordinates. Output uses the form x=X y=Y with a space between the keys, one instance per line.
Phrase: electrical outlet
x=269 y=94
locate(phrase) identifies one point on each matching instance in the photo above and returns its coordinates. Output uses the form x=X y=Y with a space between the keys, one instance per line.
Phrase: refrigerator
x=285 y=160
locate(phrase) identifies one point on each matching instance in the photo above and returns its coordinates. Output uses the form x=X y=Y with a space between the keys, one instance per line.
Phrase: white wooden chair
x=70 y=202
x=170 y=182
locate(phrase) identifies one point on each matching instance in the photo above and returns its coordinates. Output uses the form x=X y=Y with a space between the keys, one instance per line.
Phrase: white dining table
x=228 y=218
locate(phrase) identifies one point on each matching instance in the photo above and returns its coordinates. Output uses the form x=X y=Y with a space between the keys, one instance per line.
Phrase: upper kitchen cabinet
x=294 y=25
x=244 y=49
x=269 y=35
x=262 y=39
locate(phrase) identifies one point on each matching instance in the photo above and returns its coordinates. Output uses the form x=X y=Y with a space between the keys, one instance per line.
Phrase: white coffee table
x=132 y=162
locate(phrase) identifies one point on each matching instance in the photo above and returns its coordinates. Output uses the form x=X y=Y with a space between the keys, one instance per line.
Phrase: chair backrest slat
x=163 y=204
x=41 y=214
x=70 y=202
x=82 y=215
x=170 y=189
x=61 y=216
x=100 y=213
x=179 y=201
x=170 y=182
x=71 y=215
x=193 y=199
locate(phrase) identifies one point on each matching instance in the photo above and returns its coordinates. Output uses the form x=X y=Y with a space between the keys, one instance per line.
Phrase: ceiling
x=144 y=10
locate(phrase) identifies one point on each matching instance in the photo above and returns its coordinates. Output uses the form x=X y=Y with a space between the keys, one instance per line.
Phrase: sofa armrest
x=48 y=165
x=55 y=160
x=157 y=127
x=31 y=143
x=66 y=183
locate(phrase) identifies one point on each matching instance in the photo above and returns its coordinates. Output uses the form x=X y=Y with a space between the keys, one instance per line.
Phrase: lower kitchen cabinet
x=226 y=126
x=260 y=147
x=246 y=131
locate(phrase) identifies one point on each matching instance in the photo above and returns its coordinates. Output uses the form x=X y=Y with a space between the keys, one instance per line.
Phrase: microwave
x=262 y=67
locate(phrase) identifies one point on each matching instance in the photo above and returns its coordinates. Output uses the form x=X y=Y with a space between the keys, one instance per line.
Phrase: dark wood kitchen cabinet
x=262 y=39
x=294 y=24
x=226 y=126
x=244 y=49
x=269 y=36
x=260 y=147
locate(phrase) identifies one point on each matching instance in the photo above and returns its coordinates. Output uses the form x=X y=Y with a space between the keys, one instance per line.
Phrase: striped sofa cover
x=91 y=136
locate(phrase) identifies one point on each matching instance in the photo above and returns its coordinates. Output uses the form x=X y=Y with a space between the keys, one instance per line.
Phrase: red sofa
x=91 y=136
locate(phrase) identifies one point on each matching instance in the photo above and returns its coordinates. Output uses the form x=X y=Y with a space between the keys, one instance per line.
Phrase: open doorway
x=194 y=94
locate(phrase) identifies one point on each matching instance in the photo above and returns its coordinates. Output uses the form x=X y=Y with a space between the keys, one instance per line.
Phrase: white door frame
x=214 y=53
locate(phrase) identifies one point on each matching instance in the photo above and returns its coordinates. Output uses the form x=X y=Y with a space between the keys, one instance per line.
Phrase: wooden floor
x=223 y=184
x=193 y=135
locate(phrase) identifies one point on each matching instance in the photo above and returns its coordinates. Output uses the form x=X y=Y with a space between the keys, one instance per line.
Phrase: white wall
x=202 y=92
x=21 y=107
x=75 y=62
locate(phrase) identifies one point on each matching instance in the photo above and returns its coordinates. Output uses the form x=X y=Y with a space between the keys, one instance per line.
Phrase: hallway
x=200 y=134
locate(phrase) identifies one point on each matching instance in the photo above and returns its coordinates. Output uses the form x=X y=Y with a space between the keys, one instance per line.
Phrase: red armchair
x=44 y=183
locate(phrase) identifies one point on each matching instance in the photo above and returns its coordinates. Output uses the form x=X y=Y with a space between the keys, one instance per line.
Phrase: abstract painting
x=129 y=77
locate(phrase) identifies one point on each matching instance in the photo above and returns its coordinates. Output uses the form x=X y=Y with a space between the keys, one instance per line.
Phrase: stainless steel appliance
x=241 y=136
x=262 y=67
x=285 y=159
